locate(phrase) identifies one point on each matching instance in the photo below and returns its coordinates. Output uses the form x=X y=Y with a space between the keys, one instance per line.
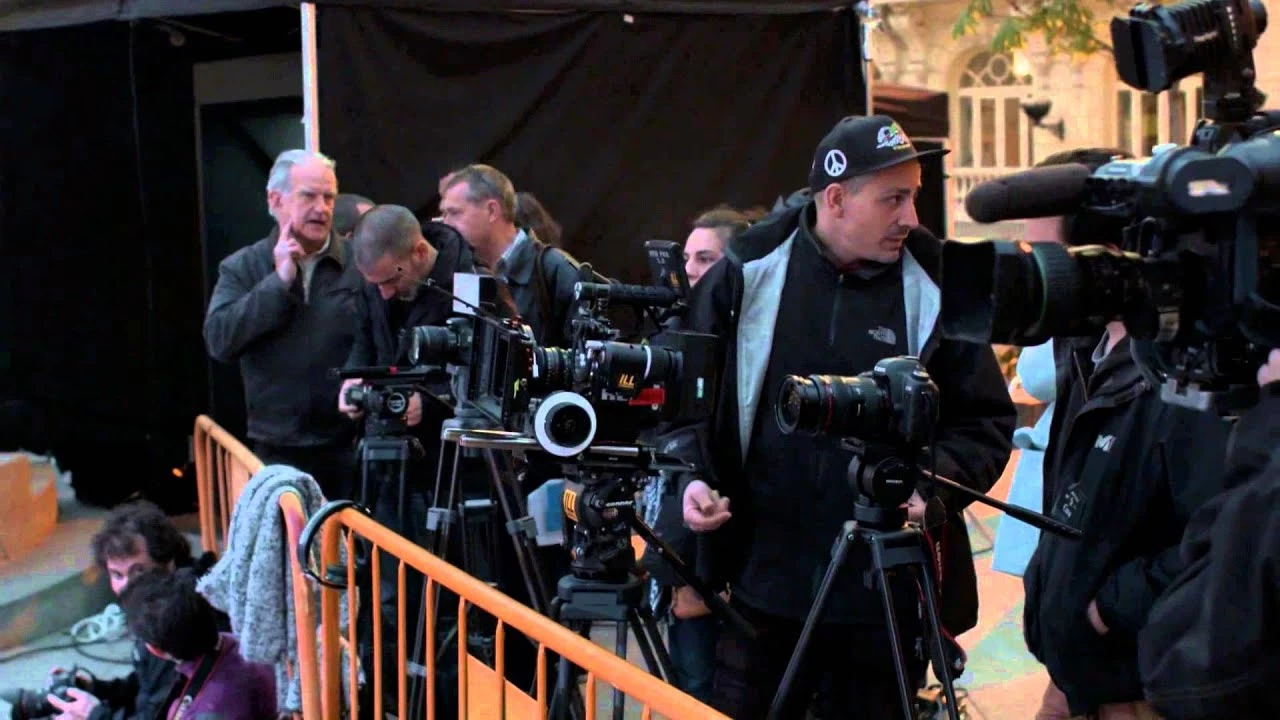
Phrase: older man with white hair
x=284 y=308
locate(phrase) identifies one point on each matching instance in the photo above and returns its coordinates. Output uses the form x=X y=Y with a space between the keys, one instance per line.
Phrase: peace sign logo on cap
x=835 y=163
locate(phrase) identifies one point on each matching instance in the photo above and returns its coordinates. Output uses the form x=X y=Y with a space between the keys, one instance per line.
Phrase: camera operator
x=480 y=202
x=134 y=537
x=1209 y=646
x=1127 y=470
x=832 y=286
x=394 y=255
x=398 y=256
x=284 y=308
x=692 y=632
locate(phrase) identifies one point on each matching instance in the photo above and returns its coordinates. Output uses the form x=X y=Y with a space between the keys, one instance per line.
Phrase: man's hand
x=915 y=508
x=1095 y=618
x=704 y=509
x=83 y=679
x=287 y=252
x=77 y=708
x=1270 y=372
x=687 y=604
x=346 y=408
x=413 y=415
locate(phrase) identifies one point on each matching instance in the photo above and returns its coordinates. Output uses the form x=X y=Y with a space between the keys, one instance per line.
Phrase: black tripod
x=604 y=514
x=879 y=522
x=581 y=602
x=384 y=460
x=471 y=429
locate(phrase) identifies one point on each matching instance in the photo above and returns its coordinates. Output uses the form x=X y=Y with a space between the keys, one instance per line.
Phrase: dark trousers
x=332 y=466
x=848 y=667
x=692 y=645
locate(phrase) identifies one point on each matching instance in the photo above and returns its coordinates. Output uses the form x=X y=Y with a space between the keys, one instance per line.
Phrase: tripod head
x=883 y=481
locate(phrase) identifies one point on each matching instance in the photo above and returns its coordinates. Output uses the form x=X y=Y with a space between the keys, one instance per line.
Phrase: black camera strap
x=187 y=694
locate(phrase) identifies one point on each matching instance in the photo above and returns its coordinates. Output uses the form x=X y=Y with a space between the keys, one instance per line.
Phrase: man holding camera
x=135 y=537
x=408 y=268
x=284 y=308
x=1127 y=470
x=408 y=281
x=1208 y=649
x=830 y=287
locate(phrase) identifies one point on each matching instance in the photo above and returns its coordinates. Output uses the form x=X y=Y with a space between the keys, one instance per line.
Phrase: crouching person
x=177 y=624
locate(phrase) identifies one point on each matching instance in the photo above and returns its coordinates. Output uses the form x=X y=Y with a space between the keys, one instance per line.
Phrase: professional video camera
x=384 y=395
x=598 y=390
x=1197 y=277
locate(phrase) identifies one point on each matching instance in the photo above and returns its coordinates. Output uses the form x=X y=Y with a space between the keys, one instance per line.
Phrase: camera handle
x=715 y=603
x=1030 y=517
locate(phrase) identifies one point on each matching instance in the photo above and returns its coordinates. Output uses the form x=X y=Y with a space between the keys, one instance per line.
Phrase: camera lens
x=430 y=344
x=800 y=404
x=564 y=424
x=552 y=370
x=833 y=405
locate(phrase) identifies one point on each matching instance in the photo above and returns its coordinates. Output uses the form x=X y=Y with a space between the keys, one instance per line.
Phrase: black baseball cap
x=858 y=145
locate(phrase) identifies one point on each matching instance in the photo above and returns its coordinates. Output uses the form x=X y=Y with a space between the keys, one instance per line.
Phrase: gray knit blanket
x=251 y=582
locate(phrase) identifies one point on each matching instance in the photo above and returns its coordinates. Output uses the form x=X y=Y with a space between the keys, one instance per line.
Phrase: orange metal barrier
x=482 y=690
x=223 y=467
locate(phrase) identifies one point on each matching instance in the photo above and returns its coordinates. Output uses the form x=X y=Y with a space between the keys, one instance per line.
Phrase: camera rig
x=886 y=418
x=385 y=393
x=1196 y=276
x=599 y=390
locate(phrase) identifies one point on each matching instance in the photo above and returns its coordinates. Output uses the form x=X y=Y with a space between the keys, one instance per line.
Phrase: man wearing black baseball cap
x=829 y=287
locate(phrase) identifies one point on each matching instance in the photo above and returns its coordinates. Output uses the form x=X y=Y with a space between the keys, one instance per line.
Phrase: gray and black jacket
x=738 y=300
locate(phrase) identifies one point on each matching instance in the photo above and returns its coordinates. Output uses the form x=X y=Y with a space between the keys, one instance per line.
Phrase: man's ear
x=830 y=197
x=275 y=199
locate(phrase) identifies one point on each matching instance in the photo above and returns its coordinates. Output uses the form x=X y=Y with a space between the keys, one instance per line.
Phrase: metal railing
x=483 y=690
x=223 y=467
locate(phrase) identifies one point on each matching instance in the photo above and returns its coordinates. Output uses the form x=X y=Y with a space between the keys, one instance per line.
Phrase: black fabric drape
x=101 y=298
x=625 y=128
x=699 y=7
x=37 y=14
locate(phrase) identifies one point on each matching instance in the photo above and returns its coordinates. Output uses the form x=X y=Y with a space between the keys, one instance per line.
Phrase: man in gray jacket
x=284 y=308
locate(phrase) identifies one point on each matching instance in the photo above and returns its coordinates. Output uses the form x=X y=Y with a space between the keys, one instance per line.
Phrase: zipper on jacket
x=835 y=311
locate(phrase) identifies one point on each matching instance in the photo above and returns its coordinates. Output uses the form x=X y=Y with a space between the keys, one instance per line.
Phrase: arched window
x=990 y=125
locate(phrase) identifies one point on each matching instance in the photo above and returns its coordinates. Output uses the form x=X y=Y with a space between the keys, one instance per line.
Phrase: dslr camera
x=1195 y=272
x=891 y=410
x=34 y=703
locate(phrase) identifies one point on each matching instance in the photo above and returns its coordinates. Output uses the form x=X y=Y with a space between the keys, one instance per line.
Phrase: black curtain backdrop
x=101 y=299
x=626 y=128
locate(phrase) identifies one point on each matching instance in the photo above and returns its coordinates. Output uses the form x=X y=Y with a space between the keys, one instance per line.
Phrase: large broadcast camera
x=1196 y=278
x=598 y=390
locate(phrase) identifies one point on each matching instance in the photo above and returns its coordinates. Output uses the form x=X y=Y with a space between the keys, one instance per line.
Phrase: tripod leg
x=649 y=638
x=620 y=649
x=524 y=554
x=941 y=666
x=838 y=557
x=905 y=691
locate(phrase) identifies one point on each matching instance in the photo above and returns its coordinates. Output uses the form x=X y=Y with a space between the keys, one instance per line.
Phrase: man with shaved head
x=284 y=309
x=399 y=258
